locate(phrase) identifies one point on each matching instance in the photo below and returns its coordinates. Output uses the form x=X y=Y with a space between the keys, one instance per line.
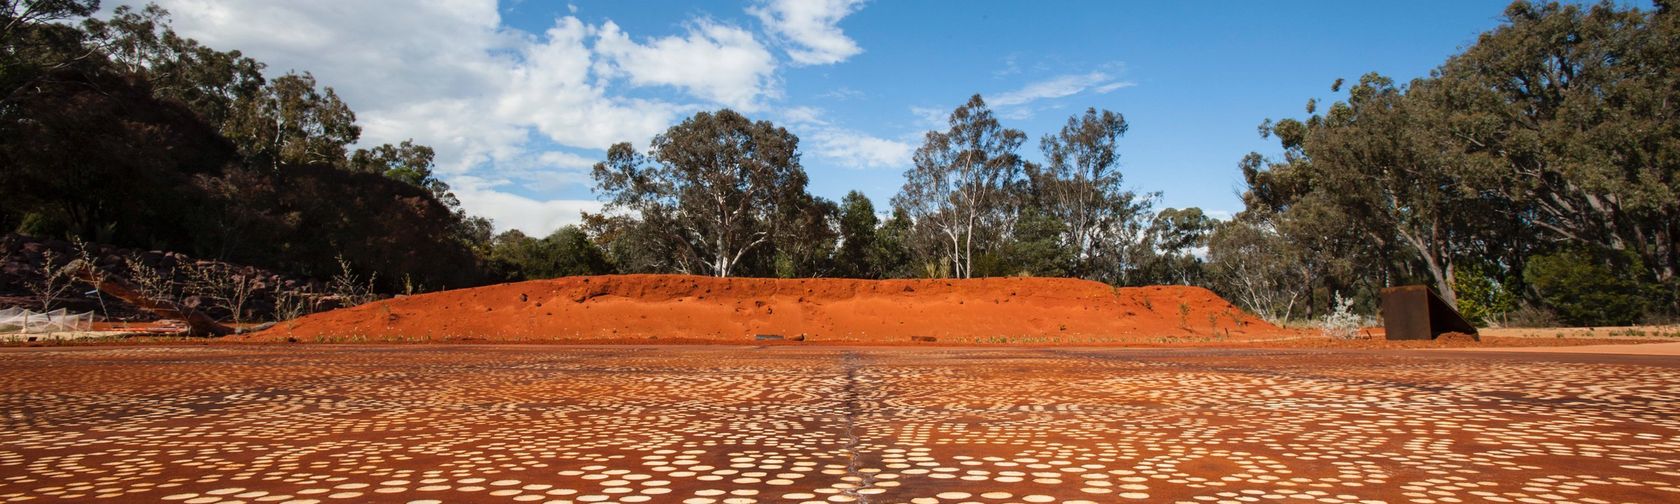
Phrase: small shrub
x=1531 y=316
x=224 y=286
x=1591 y=288
x=56 y=279
x=87 y=272
x=349 y=287
x=1342 y=323
x=153 y=284
x=1482 y=299
x=289 y=305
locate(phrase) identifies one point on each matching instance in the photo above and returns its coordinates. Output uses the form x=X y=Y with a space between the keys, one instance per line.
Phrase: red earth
x=743 y=424
x=706 y=309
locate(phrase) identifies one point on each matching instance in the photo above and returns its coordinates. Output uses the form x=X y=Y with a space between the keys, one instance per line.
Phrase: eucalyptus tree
x=1172 y=244
x=408 y=162
x=1080 y=185
x=858 y=225
x=1573 y=113
x=35 y=45
x=141 y=43
x=959 y=190
x=716 y=187
x=291 y=121
x=1252 y=264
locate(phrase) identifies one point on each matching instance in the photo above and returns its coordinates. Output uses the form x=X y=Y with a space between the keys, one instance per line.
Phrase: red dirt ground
x=678 y=307
x=743 y=424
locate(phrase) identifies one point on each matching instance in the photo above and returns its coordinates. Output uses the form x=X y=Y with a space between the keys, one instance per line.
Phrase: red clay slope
x=680 y=307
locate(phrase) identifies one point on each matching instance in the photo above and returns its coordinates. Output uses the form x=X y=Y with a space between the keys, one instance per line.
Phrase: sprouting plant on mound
x=350 y=288
x=291 y=304
x=54 y=282
x=222 y=286
x=1342 y=323
x=153 y=283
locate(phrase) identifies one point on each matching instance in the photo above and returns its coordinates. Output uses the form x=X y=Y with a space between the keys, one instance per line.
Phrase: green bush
x=1482 y=298
x=1591 y=288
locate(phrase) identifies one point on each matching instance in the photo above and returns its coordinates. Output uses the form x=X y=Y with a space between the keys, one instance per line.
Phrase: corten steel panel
x=1413 y=312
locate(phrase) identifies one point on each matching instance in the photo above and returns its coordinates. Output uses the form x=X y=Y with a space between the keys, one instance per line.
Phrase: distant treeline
x=1531 y=178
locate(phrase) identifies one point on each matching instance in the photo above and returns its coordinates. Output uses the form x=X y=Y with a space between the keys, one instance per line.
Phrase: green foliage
x=566 y=252
x=208 y=81
x=959 y=192
x=408 y=162
x=890 y=257
x=725 y=192
x=809 y=239
x=1590 y=287
x=1557 y=129
x=857 y=237
x=1036 y=247
x=1081 y=186
x=292 y=122
x=1168 y=252
x=90 y=150
x=1257 y=268
x=1482 y=298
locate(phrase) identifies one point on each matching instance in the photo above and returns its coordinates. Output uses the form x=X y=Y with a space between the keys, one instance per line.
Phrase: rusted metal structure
x=1414 y=312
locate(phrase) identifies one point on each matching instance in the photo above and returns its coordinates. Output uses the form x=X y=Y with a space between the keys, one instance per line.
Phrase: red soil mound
x=677 y=307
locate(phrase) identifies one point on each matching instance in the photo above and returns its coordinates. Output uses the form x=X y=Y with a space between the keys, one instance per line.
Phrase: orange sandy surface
x=1671 y=349
x=693 y=308
x=727 y=424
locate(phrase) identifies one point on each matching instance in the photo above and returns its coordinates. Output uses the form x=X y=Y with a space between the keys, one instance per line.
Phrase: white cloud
x=845 y=147
x=803 y=115
x=1011 y=66
x=511 y=211
x=810 y=28
x=566 y=160
x=843 y=93
x=445 y=73
x=858 y=150
x=932 y=117
x=1105 y=88
x=1057 y=87
x=720 y=63
x=552 y=92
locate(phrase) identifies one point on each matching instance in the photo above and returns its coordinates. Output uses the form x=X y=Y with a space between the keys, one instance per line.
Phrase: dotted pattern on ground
x=704 y=425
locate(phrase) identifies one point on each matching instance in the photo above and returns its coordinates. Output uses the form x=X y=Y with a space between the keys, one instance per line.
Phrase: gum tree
x=716 y=187
x=958 y=191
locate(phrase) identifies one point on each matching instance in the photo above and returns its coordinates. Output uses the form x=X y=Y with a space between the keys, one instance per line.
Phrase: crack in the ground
x=849 y=401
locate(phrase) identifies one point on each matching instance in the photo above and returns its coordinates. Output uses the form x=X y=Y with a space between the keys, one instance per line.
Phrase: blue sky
x=519 y=97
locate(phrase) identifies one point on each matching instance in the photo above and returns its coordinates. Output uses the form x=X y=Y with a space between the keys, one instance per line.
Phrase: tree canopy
x=1556 y=131
x=716 y=187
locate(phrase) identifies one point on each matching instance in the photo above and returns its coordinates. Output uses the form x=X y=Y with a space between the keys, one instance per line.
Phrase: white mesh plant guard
x=16 y=320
